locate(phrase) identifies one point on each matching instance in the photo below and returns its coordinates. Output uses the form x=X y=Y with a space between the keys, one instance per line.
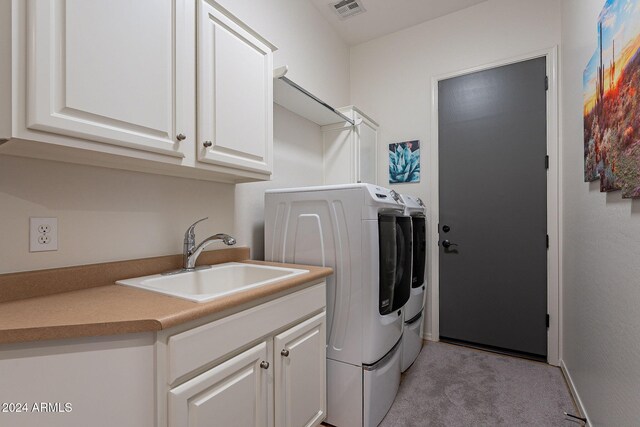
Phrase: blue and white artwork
x=404 y=162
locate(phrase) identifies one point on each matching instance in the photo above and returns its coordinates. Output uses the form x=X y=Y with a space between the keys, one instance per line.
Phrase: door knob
x=207 y=144
x=285 y=352
x=446 y=244
x=264 y=364
x=181 y=137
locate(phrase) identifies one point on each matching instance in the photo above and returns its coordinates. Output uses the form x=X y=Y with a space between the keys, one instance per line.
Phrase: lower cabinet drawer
x=200 y=346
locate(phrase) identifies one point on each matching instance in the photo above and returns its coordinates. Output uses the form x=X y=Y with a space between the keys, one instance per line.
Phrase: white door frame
x=553 y=206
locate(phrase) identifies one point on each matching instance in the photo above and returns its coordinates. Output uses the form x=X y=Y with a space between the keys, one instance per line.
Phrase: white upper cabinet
x=367 y=139
x=235 y=92
x=105 y=71
x=175 y=87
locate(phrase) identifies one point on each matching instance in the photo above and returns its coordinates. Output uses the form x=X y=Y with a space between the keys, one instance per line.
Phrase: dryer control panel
x=384 y=195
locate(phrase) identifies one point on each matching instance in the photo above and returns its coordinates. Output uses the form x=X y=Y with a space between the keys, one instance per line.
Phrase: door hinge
x=547 y=241
x=547 y=320
x=546 y=82
x=546 y=162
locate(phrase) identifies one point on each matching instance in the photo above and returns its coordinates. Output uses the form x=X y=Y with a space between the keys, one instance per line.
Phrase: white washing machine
x=362 y=232
x=414 y=310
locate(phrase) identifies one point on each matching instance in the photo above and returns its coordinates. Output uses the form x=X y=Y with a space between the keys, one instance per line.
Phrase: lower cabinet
x=262 y=367
x=300 y=374
x=102 y=381
x=235 y=392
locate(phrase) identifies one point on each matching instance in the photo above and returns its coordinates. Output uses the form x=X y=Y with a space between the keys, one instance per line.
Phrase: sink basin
x=215 y=282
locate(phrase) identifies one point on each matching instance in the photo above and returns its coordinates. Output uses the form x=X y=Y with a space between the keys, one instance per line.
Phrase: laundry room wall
x=318 y=60
x=107 y=214
x=391 y=76
x=600 y=259
x=297 y=160
x=103 y=214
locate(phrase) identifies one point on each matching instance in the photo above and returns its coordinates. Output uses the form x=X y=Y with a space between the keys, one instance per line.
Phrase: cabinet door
x=339 y=154
x=234 y=393
x=107 y=71
x=300 y=374
x=367 y=148
x=235 y=93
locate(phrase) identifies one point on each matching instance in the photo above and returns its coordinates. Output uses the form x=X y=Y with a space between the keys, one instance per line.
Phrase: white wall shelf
x=295 y=98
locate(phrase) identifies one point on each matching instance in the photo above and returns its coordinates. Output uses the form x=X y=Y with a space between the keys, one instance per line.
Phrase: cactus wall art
x=404 y=162
x=611 y=85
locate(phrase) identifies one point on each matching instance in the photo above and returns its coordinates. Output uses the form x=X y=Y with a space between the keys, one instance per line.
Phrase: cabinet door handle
x=264 y=364
x=181 y=137
x=207 y=144
x=285 y=352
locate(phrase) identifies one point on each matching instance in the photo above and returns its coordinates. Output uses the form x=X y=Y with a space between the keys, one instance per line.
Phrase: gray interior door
x=493 y=203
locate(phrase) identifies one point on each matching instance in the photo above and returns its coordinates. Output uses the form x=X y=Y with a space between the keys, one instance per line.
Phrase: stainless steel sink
x=218 y=281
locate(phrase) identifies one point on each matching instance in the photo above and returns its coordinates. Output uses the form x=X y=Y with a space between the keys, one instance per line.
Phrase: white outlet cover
x=35 y=234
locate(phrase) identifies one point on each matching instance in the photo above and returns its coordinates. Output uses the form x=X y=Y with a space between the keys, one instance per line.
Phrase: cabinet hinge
x=546 y=82
x=546 y=162
x=547 y=320
x=547 y=241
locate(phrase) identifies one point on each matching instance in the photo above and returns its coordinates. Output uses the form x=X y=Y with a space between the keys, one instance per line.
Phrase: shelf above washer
x=297 y=99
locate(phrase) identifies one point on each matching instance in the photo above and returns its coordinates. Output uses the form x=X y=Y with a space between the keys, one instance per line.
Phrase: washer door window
x=395 y=262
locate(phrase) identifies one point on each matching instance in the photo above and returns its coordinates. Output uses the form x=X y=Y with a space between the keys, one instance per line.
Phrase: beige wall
x=107 y=214
x=103 y=214
x=391 y=76
x=297 y=162
x=601 y=251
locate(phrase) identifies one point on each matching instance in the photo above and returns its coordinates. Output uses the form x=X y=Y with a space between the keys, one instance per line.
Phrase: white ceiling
x=387 y=16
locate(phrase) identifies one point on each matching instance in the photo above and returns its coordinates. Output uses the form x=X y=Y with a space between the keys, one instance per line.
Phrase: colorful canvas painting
x=404 y=162
x=611 y=84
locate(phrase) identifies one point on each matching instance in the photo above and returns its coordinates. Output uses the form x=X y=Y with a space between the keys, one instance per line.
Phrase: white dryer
x=361 y=231
x=414 y=310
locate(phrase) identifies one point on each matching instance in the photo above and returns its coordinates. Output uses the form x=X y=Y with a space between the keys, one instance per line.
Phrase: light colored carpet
x=452 y=386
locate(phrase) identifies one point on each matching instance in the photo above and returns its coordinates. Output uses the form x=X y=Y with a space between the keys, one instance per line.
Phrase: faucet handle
x=190 y=234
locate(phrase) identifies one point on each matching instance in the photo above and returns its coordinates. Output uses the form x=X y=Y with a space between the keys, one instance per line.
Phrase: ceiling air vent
x=348 y=8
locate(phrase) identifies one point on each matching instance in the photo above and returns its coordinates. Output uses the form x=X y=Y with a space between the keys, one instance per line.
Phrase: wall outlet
x=43 y=234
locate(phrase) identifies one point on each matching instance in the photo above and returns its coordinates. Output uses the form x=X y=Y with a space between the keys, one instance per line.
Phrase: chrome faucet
x=191 y=252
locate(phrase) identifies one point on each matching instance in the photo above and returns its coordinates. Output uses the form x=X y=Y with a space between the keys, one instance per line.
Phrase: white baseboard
x=574 y=392
x=429 y=337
